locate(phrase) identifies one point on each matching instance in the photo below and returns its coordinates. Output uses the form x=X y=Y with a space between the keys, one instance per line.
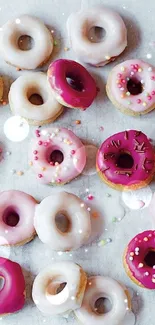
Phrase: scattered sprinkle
x=149 y=56
x=30 y=163
x=77 y=122
x=90 y=197
x=66 y=49
x=140 y=265
x=55 y=43
x=20 y=173
x=95 y=214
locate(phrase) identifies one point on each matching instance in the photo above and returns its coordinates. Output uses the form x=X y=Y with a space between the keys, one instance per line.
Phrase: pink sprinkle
x=135 y=69
x=35 y=158
x=90 y=197
x=149 y=97
x=119 y=86
x=73 y=152
x=45 y=143
x=138 y=101
x=101 y=128
x=0 y=150
x=123 y=81
x=37 y=131
x=40 y=143
x=59 y=180
x=136 y=66
x=40 y=175
x=132 y=66
x=153 y=78
x=119 y=75
x=38 y=135
x=153 y=93
x=51 y=163
x=35 y=152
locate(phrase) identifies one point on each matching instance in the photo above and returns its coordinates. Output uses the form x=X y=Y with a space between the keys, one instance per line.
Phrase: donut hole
x=102 y=305
x=25 y=43
x=36 y=99
x=56 y=156
x=36 y=96
x=150 y=258
x=62 y=222
x=55 y=287
x=96 y=34
x=11 y=217
x=57 y=291
x=134 y=86
x=2 y=283
x=125 y=161
x=75 y=83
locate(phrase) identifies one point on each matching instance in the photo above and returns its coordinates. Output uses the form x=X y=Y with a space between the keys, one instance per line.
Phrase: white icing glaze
x=22 y=89
x=104 y=287
x=117 y=84
x=46 y=284
x=24 y=205
x=25 y=25
x=77 y=213
x=69 y=144
x=114 y=42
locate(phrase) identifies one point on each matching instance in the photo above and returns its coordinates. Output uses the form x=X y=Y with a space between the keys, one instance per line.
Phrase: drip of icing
x=138 y=199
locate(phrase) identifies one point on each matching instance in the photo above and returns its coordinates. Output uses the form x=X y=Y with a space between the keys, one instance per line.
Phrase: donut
x=86 y=29
x=71 y=84
x=12 y=294
x=11 y=34
x=57 y=156
x=131 y=87
x=48 y=222
x=17 y=211
x=59 y=288
x=99 y=287
x=22 y=91
x=126 y=160
x=139 y=259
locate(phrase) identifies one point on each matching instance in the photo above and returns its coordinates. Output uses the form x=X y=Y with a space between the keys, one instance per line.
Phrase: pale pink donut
x=53 y=140
x=131 y=87
x=16 y=217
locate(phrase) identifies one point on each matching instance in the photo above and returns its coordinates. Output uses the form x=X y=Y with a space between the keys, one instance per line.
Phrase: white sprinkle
x=6 y=231
x=13 y=171
x=80 y=231
x=153 y=275
x=149 y=56
x=154 y=267
x=132 y=73
x=52 y=135
x=57 y=130
x=131 y=258
x=43 y=132
x=90 y=283
x=122 y=89
x=82 y=205
x=75 y=160
x=87 y=190
x=60 y=253
x=146 y=273
x=126 y=301
x=17 y=21
x=127 y=308
x=136 y=253
x=72 y=298
x=86 y=250
x=108 y=240
x=137 y=249
x=8 y=153
x=150 y=69
x=70 y=255
x=89 y=209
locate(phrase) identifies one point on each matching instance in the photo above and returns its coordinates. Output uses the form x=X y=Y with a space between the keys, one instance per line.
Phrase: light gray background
x=107 y=260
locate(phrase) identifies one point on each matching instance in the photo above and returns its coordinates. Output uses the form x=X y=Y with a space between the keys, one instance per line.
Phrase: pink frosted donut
x=16 y=218
x=12 y=294
x=126 y=160
x=139 y=259
x=131 y=87
x=57 y=155
x=72 y=84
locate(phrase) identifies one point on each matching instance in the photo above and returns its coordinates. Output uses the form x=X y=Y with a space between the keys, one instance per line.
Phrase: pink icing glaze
x=64 y=140
x=141 y=71
x=12 y=296
x=137 y=250
x=59 y=70
x=138 y=146
x=24 y=206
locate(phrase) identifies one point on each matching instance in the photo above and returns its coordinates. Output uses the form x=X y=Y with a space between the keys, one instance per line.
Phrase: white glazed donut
x=46 y=284
x=19 y=99
x=10 y=34
x=79 y=225
x=97 y=53
x=103 y=287
x=43 y=156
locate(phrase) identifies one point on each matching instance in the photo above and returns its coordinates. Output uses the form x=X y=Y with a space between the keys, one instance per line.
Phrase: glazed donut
x=17 y=211
x=93 y=50
x=10 y=34
x=80 y=92
x=131 y=87
x=103 y=287
x=78 y=226
x=126 y=160
x=12 y=294
x=65 y=276
x=57 y=156
x=20 y=95
x=139 y=259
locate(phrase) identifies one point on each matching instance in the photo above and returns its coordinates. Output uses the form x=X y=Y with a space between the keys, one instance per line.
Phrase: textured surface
x=107 y=260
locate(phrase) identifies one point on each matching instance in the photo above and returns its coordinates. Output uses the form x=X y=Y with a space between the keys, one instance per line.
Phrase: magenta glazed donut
x=17 y=211
x=139 y=259
x=126 y=160
x=72 y=84
x=12 y=294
